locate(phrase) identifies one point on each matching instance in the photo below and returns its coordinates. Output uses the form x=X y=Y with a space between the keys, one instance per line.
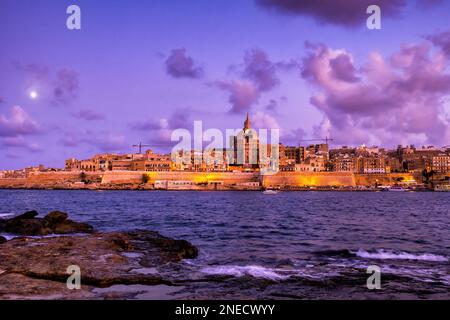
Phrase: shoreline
x=117 y=188
x=221 y=181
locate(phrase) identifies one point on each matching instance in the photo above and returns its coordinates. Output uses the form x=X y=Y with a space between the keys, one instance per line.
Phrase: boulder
x=56 y=217
x=37 y=267
x=27 y=215
x=2 y=240
x=70 y=226
x=26 y=227
x=56 y=222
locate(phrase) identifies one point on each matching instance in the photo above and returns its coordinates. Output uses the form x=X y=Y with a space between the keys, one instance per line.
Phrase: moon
x=33 y=95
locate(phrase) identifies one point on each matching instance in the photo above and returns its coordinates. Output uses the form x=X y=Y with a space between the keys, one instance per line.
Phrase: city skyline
x=304 y=70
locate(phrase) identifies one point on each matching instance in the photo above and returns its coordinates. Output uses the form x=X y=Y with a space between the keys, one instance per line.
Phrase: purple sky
x=139 y=69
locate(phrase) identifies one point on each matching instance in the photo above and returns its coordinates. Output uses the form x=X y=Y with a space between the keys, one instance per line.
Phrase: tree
x=427 y=175
x=330 y=167
x=83 y=177
x=145 y=178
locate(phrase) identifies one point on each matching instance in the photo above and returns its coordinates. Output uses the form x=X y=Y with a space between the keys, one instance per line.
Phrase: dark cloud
x=441 y=40
x=272 y=106
x=242 y=94
x=260 y=70
x=338 y=12
x=180 y=65
x=258 y=75
x=89 y=115
x=343 y=69
x=66 y=87
x=293 y=137
x=19 y=123
x=395 y=98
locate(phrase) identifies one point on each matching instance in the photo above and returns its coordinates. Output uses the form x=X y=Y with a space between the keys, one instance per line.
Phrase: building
x=370 y=164
x=73 y=164
x=343 y=163
x=441 y=163
x=245 y=147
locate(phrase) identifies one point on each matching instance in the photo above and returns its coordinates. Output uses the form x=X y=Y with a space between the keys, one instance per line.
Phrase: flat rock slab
x=37 y=267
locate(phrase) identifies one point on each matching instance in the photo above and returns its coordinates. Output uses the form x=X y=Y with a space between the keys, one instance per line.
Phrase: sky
x=137 y=70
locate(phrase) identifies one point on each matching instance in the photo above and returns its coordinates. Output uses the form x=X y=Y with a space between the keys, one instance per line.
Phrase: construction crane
x=326 y=139
x=140 y=145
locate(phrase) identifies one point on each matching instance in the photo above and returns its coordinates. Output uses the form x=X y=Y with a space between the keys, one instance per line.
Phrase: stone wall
x=227 y=178
x=281 y=179
x=393 y=178
x=301 y=179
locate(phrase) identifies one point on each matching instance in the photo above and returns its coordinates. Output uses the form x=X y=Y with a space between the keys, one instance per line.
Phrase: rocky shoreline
x=37 y=267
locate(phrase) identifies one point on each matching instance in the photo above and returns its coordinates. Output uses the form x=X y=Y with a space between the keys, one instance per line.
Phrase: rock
x=55 y=222
x=30 y=227
x=70 y=226
x=37 y=267
x=27 y=215
x=55 y=217
x=2 y=240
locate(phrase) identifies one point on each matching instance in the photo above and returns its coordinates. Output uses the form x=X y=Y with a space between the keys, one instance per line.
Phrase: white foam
x=240 y=271
x=3 y=215
x=388 y=254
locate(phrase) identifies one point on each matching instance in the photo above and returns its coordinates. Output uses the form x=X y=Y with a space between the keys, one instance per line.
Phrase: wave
x=240 y=271
x=3 y=215
x=382 y=254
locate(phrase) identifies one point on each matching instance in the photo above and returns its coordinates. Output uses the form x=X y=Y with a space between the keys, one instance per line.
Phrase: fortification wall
x=281 y=179
x=12 y=183
x=301 y=179
x=226 y=178
x=393 y=178
x=61 y=177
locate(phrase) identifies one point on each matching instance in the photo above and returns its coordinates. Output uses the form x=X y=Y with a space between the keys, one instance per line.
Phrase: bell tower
x=247 y=123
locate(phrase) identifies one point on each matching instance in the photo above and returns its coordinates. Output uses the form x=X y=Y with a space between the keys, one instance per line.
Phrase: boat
x=270 y=191
x=396 y=189
x=442 y=188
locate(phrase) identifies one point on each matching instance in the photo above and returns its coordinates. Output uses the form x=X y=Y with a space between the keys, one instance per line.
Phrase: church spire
x=247 y=123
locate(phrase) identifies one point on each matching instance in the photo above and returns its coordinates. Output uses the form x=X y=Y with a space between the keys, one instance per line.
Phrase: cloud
x=60 y=88
x=180 y=65
x=429 y=3
x=272 y=106
x=441 y=40
x=160 y=130
x=66 y=87
x=293 y=137
x=103 y=141
x=260 y=70
x=261 y=120
x=242 y=94
x=19 y=123
x=147 y=124
x=348 y=13
x=89 y=115
x=36 y=71
x=20 y=142
x=398 y=98
x=258 y=74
